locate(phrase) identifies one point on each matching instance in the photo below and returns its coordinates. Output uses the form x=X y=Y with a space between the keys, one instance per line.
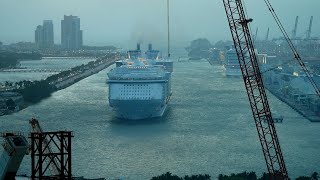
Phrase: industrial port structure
x=15 y=148
x=249 y=65
x=50 y=153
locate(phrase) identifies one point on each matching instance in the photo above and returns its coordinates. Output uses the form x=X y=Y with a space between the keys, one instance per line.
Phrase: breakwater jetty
x=81 y=73
x=30 y=92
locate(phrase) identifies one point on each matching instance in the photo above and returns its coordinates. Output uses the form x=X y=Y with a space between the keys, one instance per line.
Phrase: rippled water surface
x=208 y=128
x=56 y=64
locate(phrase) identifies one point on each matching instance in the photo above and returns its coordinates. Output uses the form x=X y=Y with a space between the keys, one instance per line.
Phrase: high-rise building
x=38 y=36
x=44 y=35
x=47 y=33
x=71 y=35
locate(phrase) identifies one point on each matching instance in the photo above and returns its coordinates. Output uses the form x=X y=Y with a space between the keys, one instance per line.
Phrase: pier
x=301 y=109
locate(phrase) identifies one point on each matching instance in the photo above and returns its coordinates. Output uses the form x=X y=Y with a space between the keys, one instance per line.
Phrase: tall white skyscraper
x=71 y=35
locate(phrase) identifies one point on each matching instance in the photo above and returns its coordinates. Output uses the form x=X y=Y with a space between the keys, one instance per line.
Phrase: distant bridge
x=32 y=70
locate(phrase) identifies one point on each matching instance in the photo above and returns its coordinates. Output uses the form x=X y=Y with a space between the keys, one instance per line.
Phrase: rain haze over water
x=207 y=129
x=208 y=126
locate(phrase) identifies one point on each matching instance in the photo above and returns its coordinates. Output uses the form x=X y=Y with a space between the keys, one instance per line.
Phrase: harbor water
x=56 y=64
x=208 y=128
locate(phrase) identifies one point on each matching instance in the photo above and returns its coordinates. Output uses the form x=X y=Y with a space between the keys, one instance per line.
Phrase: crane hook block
x=246 y=21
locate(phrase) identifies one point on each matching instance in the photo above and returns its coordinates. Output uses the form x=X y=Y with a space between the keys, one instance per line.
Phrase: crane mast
x=309 y=29
x=294 y=32
x=256 y=35
x=267 y=36
x=252 y=78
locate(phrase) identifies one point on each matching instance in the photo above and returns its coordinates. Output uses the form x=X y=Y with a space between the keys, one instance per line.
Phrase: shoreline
x=100 y=64
x=301 y=110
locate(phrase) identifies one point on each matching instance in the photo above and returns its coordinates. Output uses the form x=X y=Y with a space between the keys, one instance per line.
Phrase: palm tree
x=314 y=176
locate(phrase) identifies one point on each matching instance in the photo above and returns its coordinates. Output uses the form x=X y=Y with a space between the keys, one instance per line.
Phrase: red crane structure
x=252 y=78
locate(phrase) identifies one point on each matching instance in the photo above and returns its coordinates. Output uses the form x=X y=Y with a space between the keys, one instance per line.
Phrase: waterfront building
x=71 y=35
x=44 y=35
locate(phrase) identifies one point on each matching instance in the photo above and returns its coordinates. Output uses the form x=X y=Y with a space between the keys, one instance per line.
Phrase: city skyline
x=123 y=22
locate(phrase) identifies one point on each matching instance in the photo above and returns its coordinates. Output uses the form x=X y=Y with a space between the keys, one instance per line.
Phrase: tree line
x=240 y=176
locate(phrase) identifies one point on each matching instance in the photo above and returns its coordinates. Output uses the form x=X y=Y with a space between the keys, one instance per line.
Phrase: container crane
x=238 y=23
x=267 y=36
x=294 y=31
x=309 y=29
x=256 y=35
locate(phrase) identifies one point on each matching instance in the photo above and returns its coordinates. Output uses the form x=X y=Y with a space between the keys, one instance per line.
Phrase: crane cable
x=292 y=47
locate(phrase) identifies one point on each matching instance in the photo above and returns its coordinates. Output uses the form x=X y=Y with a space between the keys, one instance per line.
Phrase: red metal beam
x=247 y=57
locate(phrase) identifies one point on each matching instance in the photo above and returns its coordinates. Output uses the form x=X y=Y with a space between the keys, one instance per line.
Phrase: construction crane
x=51 y=162
x=238 y=23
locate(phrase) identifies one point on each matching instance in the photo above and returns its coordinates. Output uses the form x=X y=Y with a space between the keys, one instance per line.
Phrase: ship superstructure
x=139 y=88
x=232 y=67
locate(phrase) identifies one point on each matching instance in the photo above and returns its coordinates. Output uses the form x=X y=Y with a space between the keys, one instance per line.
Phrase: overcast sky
x=121 y=21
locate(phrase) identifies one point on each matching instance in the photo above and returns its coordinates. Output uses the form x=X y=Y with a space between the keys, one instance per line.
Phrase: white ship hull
x=232 y=70
x=139 y=99
x=138 y=109
x=231 y=66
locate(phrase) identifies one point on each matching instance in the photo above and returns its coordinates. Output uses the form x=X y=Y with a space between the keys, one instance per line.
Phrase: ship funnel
x=150 y=47
x=138 y=47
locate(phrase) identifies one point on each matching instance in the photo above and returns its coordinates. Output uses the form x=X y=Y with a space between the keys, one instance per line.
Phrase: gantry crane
x=309 y=29
x=252 y=78
x=294 y=31
x=52 y=163
x=267 y=36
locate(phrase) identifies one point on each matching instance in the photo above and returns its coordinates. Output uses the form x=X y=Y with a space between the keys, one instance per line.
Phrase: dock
x=302 y=110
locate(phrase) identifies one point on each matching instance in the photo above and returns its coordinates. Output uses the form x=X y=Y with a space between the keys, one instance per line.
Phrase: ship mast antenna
x=168 y=21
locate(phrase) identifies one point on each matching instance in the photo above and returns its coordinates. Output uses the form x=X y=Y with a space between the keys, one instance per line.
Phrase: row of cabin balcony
x=152 y=78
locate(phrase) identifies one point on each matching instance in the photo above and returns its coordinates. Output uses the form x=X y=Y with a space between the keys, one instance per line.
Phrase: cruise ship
x=231 y=66
x=140 y=87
